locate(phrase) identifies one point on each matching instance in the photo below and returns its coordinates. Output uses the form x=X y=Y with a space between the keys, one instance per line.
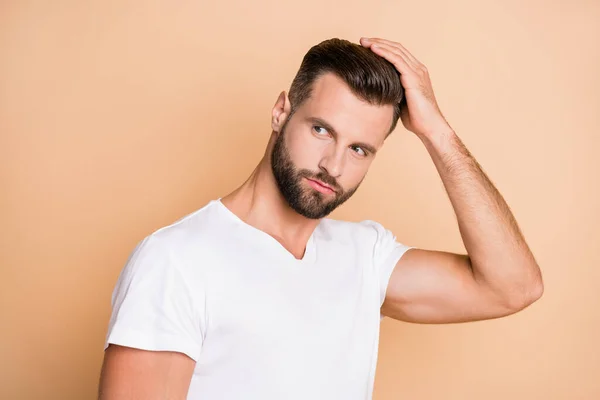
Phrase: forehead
x=332 y=100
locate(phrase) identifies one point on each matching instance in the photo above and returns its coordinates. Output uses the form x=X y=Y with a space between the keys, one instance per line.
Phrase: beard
x=306 y=201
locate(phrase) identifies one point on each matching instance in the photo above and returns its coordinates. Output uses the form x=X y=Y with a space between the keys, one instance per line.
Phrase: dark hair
x=369 y=76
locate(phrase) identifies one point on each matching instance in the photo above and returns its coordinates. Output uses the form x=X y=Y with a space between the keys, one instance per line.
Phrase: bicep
x=129 y=373
x=438 y=287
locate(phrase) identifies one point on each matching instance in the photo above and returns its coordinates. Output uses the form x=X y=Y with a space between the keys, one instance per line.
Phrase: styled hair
x=369 y=76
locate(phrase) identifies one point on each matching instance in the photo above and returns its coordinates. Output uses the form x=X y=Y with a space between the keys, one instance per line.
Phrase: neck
x=258 y=202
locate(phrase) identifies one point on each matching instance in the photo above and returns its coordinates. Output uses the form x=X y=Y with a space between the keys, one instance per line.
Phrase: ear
x=281 y=111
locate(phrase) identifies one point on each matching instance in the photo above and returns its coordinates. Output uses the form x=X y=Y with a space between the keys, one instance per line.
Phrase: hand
x=420 y=113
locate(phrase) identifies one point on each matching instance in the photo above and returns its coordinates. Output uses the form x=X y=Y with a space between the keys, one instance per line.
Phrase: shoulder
x=364 y=232
x=189 y=228
x=180 y=240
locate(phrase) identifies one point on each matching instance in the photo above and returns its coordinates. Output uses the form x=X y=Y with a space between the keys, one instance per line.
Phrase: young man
x=258 y=296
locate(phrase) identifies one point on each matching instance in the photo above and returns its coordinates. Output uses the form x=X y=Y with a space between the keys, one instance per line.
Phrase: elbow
x=534 y=293
x=527 y=294
x=536 y=288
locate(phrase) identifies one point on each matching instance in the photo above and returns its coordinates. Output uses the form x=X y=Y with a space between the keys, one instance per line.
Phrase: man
x=258 y=296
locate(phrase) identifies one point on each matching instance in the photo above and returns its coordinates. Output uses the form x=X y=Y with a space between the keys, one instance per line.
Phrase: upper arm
x=129 y=373
x=428 y=286
x=155 y=333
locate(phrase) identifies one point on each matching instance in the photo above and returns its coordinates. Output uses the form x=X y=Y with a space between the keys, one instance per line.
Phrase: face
x=323 y=151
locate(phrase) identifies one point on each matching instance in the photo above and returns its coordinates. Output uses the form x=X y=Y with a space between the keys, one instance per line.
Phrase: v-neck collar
x=309 y=253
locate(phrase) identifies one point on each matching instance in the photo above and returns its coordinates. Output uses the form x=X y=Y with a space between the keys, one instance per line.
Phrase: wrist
x=440 y=140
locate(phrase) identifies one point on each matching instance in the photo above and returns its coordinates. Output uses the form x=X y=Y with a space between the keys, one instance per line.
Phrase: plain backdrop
x=119 y=117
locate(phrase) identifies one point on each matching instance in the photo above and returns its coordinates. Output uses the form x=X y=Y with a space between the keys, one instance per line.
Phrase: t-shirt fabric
x=260 y=324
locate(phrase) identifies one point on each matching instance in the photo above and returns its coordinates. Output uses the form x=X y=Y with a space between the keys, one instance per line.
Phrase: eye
x=319 y=130
x=359 y=151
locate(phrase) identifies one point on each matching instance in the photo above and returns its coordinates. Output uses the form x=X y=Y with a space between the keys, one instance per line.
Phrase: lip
x=320 y=186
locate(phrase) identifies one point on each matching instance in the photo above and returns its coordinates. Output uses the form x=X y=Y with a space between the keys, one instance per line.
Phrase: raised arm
x=498 y=275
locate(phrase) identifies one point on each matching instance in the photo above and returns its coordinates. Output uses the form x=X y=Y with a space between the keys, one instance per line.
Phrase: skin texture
x=327 y=138
x=499 y=275
x=129 y=374
x=320 y=154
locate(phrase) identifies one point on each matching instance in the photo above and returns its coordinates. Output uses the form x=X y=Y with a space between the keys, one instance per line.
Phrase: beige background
x=118 y=117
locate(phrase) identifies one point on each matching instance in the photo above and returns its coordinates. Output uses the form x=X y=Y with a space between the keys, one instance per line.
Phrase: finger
x=370 y=42
x=397 y=45
x=401 y=48
x=402 y=64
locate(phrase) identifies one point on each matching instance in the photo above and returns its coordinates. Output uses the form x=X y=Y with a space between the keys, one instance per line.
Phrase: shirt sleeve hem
x=143 y=341
x=387 y=273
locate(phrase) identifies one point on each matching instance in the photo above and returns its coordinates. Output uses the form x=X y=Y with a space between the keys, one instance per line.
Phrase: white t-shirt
x=260 y=324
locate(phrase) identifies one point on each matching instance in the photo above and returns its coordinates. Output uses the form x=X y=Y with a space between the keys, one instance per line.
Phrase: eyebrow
x=324 y=124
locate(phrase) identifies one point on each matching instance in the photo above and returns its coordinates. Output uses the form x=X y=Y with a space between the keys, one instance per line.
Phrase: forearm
x=499 y=255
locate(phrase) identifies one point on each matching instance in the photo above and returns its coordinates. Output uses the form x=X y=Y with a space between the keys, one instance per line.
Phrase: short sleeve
x=152 y=305
x=387 y=252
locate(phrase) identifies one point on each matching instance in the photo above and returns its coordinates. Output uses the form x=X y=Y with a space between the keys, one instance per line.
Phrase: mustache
x=323 y=177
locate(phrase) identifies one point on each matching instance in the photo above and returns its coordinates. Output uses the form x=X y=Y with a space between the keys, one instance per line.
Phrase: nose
x=333 y=161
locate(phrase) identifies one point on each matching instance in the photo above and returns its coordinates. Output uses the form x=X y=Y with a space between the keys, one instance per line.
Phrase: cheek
x=354 y=172
x=306 y=151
